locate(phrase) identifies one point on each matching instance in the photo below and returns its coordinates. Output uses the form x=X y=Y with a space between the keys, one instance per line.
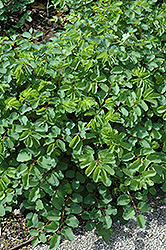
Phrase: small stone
x=16 y=212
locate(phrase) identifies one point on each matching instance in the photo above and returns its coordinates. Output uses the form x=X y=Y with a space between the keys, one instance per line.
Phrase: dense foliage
x=83 y=119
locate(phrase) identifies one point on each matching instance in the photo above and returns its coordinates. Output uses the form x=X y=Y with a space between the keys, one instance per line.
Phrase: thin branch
x=47 y=8
x=99 y=206
x=22 y=244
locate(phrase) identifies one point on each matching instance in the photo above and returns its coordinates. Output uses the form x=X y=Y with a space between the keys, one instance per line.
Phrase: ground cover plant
x=83 y=119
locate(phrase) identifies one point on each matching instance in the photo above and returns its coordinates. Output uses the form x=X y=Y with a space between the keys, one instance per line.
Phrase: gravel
x=124 y=237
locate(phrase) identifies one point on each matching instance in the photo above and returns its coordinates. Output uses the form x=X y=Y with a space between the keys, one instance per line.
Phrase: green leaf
x=155 y=158
x=87 y=161
x=25 y=180
x=91 y=168
x=107 y=237
x=42 y=238
x=128 y=213
x=149 y=173
x=76 y=198
x=117 y=70
x=37 y=34
x=72 y=221
x=101 y=232
x=75 y=208
x=2 y=185
x=127 y=157
x=35 y=241
x=111 y=210
x=143 y=207
x=90 y=225
x=147 y=92
x=34 y=194
x=24 y=135
x=24 y=156
x=26 y=34
x=3 y=71
x=85 y=215
x=34 y=220
x=161 y=109
x=108 y=169
x=58 y=203
x=52 y=227
x=123 y=200
x=54 y=242
x=2 y=195
x=12 y=102
x=164 y=187
x=53 y=180
x=126 y=145
x=141 y=220
x=135 y=165
x=47 y=162
x=104 y=177
x=96 y=174
x=68 y=233
x=107 y=221
x=34 y=232
x=1 y=5
x=1 y=147
x=152 y=191
x=53 y=215
x=144 y=105
x=2 y=211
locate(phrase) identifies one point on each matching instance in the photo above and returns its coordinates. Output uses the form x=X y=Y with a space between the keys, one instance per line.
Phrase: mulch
x=47 y=20
x=14 y=232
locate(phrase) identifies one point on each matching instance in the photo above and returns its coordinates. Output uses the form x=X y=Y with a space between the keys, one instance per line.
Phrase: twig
x=22 y=244
x=63 y=212
x=135 y=208
x=99 y=205
x=152 y=201
x=26 y=242
x=47 y=8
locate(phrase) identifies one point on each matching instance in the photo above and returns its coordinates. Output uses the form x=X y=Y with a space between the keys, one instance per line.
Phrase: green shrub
x=83 y=120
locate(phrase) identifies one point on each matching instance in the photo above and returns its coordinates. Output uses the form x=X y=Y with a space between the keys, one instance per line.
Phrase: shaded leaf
x=141 y=220
x=68 y=233
x=54 y=242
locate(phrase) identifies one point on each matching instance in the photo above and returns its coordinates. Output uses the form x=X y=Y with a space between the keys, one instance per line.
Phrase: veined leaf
x=104 y=177
x=72 y=221
x=54 y=242
x=2 y=211
x=135 y=165
x=128 y=157
x=2 y=185
x=24 y=156
x=128 y=213
x=90 y=168
x=1 y=5
x=96 y=174
x=141 y=221
x=108 y=169
x=161 y=109
x=123 y=200
x=87 y=161
x=147 y=92
x=68 y=233
x=52 y=227
x=73 y=144
x=143 y=207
